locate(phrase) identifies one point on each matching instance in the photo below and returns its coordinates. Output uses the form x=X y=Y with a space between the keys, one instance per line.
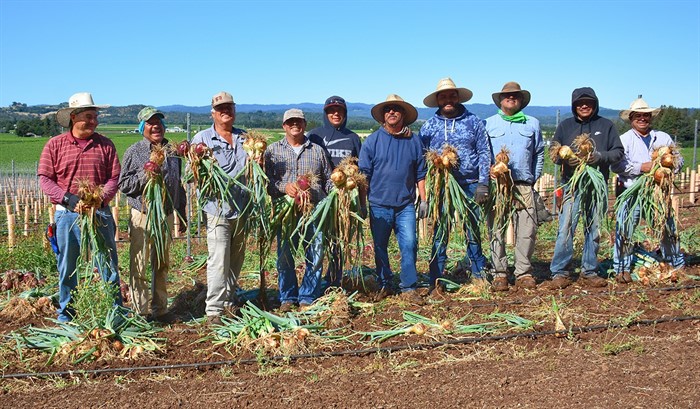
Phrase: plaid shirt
x=63 y=162
x=283 y=166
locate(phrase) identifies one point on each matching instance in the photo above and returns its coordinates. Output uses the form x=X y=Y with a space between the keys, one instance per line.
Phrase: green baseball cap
x=147 y=113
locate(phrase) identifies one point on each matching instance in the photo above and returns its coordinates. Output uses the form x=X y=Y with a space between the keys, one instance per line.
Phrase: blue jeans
x=438 y=255
x=402 y=220
x=622 y=254
x=564 y=246
x=310 y=288
x=68 y=239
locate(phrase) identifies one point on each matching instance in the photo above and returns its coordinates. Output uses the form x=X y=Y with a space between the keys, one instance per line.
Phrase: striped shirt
x=283 y=166
x=64 y=162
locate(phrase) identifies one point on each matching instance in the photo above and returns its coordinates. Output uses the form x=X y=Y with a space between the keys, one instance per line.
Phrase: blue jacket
x=524 y=143
x=467 y=134
x=393 y=165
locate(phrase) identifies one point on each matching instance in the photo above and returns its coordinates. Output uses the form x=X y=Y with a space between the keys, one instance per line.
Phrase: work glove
x=573 y=161
x=70 y=201
x=481 y=195
x=594 y=158
x=423 y=209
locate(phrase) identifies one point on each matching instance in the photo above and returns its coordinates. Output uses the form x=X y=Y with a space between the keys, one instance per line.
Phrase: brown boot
x=623 y=277
x=526 y=281
x=500 y=284
x=412 y=297
x=559 y=282
x=593 y=281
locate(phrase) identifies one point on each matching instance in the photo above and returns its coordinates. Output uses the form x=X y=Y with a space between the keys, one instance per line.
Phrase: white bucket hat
x=638 y=105
x=81 y=100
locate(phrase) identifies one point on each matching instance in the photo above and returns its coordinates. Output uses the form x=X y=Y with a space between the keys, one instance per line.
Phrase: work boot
x=286 y=306
x=593 y=281
x=500 y=284
x=383 y=293
x=412 y=297
x=214 y=320
x=559 y=282
x=167 y=318
x=624 y=277
x=526 y=281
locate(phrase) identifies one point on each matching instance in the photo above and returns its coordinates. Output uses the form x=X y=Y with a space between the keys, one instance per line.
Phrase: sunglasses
x=394 y=108
x=336 y=101
x=638 y=115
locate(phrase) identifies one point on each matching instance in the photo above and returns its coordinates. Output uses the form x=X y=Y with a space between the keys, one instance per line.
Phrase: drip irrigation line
x=355 y=352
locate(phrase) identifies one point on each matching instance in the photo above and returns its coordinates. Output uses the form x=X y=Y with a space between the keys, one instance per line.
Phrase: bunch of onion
x=586 y=182
x=259 y=204
x=211 y=180
x=155 y=197
x=337 y=217
x=448 y=203
x=291 y=215
x=502 y=195
x=651 y=192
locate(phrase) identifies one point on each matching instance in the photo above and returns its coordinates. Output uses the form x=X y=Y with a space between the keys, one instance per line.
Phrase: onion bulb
x=661 y=174
x=338 y=177
x=667 y=160
x=565 y=152
x=499 y=169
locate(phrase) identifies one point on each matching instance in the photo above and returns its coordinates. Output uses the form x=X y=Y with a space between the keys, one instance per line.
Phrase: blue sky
x=266 y=52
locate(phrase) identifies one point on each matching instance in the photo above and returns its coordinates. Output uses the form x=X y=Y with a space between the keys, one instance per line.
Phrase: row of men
x=392 y=159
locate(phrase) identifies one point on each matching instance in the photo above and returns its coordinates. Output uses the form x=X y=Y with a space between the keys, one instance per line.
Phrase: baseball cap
x=293 y=113
x=222 y=97
x=147 y=113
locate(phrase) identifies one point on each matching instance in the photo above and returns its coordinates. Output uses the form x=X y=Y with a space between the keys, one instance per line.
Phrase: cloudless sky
x=283 y=52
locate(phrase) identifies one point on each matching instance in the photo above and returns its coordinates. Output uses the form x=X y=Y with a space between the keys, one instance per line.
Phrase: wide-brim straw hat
x=410 y=112
x=81 y=100
x=445 y=84
x=638 y=105
x=509 y=87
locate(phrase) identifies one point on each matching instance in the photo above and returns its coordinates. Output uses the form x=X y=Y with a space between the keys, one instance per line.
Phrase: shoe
x=559 y=282
x=526 y=281
x=623 y=277
x=214 y=320
x=286 y=306
x=167 y=318
x=383 y=293
x=500 y=284
x=438 y=288
x=593 y=281
x=412 y=297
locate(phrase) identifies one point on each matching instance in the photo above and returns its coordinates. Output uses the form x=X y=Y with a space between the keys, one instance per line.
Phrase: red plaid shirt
x=63 y=162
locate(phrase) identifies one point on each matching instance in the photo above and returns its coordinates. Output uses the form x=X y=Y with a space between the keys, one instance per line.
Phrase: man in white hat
x=285 y=161
x=639 y=142
x=392 y=160
x=145 y=269
x=453 y=124
x=79 y=154
x=225 y=224
x=520 y=135
x=585 y=107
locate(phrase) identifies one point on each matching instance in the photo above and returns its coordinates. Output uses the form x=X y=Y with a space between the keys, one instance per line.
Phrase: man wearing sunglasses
x=340 y=143
x=392 y=160
x=639 y=142
x=454 y=125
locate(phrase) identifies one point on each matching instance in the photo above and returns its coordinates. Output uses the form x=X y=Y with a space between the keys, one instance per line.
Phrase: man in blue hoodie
x=340 y=143
x=520 y=135
x=453 y=124
x=392 y=160
x=609 y=150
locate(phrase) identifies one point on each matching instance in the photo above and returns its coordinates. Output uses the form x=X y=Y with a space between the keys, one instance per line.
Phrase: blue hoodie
x=465 y=133
x=393 y=165
x=338 y=142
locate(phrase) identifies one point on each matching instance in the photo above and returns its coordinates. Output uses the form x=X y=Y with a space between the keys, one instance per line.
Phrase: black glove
x=423 y=209
x=70 y=201
x=594 y=158
x=363 y=212
x=573 y=161
x=481 y=195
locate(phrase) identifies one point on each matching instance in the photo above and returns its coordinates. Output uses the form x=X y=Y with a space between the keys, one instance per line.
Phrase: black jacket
x=601 y=130
x=338 y=142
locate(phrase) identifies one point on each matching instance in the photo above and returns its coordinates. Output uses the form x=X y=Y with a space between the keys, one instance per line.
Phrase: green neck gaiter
x=519 y=117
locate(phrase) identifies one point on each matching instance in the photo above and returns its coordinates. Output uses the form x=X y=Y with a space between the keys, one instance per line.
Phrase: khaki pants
x=525 y=224
x=226 y=244
x=144 y=276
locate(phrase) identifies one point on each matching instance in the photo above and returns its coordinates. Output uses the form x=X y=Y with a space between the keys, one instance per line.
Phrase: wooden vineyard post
x=510 y=234
x=25 y=232
x=693 y=186
x=176 y=224
x=675 y=204
x=115 y=216
x=10 y=225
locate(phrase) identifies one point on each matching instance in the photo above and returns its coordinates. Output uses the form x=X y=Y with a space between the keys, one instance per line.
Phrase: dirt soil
x=627 y=346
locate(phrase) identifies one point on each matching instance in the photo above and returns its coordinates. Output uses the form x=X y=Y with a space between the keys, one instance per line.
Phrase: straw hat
x=410 y=112
x=81 y=100
x=445 y=84
x=511 y=86
x=638 y=105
